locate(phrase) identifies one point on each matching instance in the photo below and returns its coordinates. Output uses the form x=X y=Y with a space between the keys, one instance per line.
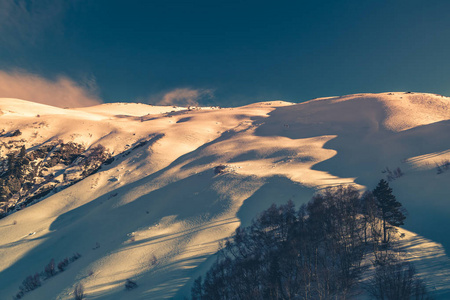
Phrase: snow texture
x=157 y=213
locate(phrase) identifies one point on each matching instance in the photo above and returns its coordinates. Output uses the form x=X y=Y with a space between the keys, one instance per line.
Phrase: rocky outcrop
x=29 y=175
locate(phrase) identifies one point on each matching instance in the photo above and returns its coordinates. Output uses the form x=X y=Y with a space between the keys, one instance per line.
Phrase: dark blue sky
x=241 y=51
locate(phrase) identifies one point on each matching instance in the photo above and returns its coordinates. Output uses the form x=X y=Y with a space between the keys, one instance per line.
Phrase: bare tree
x=50 y=269
x=316 y=252
x=78 y=292
x=397 y=281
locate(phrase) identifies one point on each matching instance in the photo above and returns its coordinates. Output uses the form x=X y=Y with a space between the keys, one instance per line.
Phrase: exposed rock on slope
x=28 y=176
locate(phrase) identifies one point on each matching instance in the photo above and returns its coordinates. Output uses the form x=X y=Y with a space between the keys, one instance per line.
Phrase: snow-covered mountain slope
x=158 y=211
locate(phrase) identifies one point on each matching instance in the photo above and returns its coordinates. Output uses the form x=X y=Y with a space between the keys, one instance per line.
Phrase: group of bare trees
x=319 y=251
x=33 y=282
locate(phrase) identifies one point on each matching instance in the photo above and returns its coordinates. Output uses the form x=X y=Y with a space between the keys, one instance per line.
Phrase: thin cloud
x=184 y=97
x=62 y=92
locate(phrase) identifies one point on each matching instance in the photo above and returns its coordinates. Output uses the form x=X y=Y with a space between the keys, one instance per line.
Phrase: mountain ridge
x=164 y=198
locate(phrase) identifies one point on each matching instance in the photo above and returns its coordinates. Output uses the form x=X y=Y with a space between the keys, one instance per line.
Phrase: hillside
x=157 y=212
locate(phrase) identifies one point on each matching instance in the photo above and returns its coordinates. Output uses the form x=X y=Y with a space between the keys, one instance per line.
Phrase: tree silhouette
x=392 y=212
x=22 y=152
x=78 y=292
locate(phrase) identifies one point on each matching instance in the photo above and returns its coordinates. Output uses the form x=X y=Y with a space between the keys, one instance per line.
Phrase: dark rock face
x=29 y=175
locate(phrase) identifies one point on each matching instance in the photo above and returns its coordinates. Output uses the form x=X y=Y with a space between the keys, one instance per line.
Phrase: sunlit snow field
x=165 y=201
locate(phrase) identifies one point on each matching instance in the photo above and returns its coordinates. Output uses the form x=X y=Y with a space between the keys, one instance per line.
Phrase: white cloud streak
x=185 y=97
x=62 y=92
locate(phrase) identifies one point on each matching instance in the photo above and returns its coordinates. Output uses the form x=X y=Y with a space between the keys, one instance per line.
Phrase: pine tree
x=392 y=211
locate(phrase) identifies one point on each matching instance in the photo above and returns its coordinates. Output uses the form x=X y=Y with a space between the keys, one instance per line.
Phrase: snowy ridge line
x=164 y=174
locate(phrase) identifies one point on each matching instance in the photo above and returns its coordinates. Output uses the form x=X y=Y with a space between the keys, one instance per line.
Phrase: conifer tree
x=392 y=212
